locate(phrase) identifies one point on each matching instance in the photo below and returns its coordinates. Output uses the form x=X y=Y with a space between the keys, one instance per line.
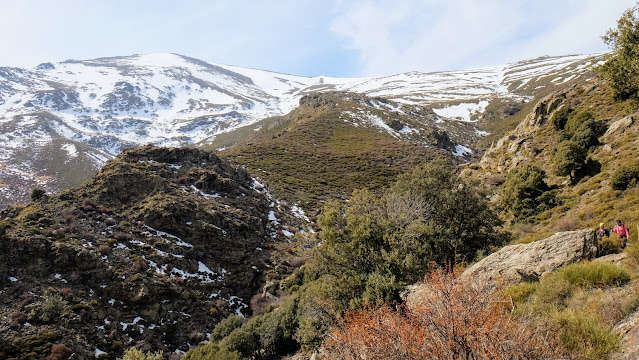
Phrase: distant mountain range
x=60 y=122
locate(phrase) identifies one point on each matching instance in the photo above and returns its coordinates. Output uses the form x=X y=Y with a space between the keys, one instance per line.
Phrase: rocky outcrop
x=619 y=126
x=153 y=251
x=528 y=262
x=515 y=147
x=628 y=329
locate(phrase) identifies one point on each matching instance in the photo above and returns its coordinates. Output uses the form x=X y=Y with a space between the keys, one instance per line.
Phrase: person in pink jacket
x=622 y=232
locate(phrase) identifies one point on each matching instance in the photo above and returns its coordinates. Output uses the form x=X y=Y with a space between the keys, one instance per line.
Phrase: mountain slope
x=75 y=115
x=335 y=142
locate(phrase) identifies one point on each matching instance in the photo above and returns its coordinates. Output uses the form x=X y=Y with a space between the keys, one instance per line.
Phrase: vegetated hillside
x=59 y=123
x=336 y=142
x=152 y=252
x=611 y=144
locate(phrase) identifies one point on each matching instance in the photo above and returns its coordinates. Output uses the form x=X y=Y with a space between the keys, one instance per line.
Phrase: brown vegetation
x=453 y=321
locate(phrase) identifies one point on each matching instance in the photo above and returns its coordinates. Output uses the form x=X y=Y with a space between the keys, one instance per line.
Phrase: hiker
x=622 y=232
x=603 y=231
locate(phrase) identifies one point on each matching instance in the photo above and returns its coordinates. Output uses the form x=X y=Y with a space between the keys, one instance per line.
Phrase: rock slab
x=528 y=262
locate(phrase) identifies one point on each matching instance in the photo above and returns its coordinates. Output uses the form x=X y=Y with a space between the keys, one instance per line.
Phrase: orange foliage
x=451 y=320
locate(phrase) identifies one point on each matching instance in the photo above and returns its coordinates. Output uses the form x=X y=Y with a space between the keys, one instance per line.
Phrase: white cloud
x=430 y=35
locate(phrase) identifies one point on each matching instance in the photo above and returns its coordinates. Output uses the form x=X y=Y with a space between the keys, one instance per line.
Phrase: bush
x=560 y=117
x=594 y=274
x=37 y=194
x=624 y=177
x=374 y=246
x=135 y=354
x=211 y=351
x=452 y=321
x=226 y=326
x=52 y=308
x=246 y=339
x=525 y=192
x=584 y=334
x=568 y=158
x=521 y=292
x=582 y=129
x=59 y=352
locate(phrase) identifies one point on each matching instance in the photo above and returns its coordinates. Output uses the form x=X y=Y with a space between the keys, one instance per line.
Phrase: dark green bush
x=37 y=194
x=226 y=326
x=211 y=351
x=560 y=117
x=568 y=158
x=582 y=129
x=624 y=176
x=622 y=67
x=525 y=192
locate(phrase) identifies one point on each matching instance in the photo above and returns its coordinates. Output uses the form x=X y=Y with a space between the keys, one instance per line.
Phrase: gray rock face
x=528 y=262
x=629 y=332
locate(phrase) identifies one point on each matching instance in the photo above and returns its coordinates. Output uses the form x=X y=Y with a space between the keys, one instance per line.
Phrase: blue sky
x=308 y=37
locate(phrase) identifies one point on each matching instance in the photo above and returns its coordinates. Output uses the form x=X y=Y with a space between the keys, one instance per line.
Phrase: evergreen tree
x=525 y=192
x=622 y=68
x=568 y=158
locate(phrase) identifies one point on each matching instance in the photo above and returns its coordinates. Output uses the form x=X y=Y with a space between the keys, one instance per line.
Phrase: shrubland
x=372 y=247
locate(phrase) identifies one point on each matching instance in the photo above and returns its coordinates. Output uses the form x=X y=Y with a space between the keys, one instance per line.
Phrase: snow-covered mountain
x=60 y=122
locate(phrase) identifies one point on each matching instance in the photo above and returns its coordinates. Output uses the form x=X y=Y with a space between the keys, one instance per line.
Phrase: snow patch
x=463 y=111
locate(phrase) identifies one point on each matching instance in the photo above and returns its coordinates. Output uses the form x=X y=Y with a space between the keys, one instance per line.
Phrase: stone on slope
x=528 y=262
x=628 y=330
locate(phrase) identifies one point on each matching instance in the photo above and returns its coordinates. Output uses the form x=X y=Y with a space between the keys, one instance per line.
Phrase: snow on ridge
x=177 y=100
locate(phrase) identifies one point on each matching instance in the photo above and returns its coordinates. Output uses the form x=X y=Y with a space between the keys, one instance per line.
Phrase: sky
x=344 y=38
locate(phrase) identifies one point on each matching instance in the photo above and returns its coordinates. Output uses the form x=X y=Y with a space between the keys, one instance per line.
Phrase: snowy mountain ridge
x=75 y=115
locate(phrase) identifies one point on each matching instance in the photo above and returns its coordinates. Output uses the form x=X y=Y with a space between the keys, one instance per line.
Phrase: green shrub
x=594 y=274
x=560 y=117
x=633 y=252
x=37 y=194
x=211 y=351
x=585 y=334
x=568 y=158
x=525 y=192
x=52 y=308
x=624 y=177
x=135 y=354
x=246 y=339
x=521 y=292
x=609 y=245
x=226 y=326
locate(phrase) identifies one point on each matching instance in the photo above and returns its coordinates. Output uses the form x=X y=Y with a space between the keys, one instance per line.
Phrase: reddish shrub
x=104 y=210
x=104 y=249
x=26 y=299
x=109 y=222
x=59 y=352
x=567 y=223
x=67 y=293
x=451 y=321
x=123 y=236
x=140 y=265
x=88 y=204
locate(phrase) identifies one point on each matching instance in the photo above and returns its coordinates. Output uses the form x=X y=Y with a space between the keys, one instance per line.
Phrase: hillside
x=59 y=123
x=591 y=200
x=334 y=143
x=152 y=252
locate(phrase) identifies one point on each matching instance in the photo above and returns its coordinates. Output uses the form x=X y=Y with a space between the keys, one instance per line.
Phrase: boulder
x=619 y=126
x=528 y=262
x=628 y=330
